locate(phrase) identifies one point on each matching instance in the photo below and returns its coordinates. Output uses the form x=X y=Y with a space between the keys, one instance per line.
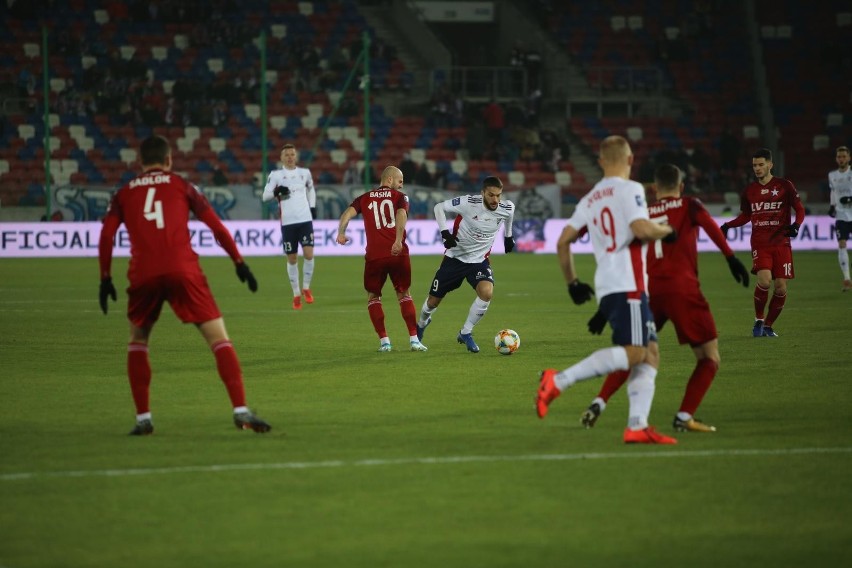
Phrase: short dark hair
x=154 y=150
x=492 y=181
x=668 y=176
x=765 y=153
x=843 y=149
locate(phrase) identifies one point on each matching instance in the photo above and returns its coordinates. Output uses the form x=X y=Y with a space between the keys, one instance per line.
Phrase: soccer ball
x=507 y=341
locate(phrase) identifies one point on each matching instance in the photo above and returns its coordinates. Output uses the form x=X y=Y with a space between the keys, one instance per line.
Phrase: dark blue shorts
x=630 y=317
x=297 y=234
x=843 y=229
x=453 y=272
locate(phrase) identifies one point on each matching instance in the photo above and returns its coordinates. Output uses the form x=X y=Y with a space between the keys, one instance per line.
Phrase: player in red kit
x=768 y=204
x=385 y=212
x=155 y=208
x=675 y=295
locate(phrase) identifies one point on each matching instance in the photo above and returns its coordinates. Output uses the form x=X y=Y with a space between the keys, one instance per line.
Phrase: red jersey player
x=155 y=207
x=385 y=212
x=675 y=294
x=768 y=203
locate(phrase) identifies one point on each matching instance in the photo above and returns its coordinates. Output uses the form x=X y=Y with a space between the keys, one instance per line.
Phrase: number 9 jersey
x=607 y=212
x=378 y=208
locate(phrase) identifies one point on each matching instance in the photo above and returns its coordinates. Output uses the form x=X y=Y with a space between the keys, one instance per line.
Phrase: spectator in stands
x=351 y=176
x=495 y=120
x=408 y=167
x=423 y=177
x=476 y=140
x=219 y=177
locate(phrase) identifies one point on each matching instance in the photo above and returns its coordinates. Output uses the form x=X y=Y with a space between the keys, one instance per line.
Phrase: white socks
x=307 y=273
x=601 y=362
x=293 y=274
x=425 y=313
x=640 y=391
x=477 y=310
x=843 y=259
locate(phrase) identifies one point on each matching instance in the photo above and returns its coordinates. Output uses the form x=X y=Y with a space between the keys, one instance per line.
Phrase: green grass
x=414 y=459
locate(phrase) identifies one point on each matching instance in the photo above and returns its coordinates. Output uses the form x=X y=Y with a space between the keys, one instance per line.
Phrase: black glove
x=580 y=292
x=832 y=211
x=313 y=212
x=671 y=237
x=846 y=200
x=449 y=239
x=281 y=191
x=597 y=323
x=243 y=273
x=725 y=228
x=107 y=289
x=793 y=230
x=738 y=270
x=508 y=244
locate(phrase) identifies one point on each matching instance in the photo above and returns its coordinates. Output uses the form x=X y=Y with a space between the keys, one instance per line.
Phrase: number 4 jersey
x=155 y=208
x=378 y=208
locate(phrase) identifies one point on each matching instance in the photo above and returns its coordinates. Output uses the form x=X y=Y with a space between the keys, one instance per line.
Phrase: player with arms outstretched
x=385 y=212
x=478 y=220
x=675 y=294
x=840 y=199
x=155 y=208
x=616 y=216
x=768 y=204
x=293 y=187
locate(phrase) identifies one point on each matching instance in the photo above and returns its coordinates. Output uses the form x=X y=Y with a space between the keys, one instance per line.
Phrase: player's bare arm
x=347 y=216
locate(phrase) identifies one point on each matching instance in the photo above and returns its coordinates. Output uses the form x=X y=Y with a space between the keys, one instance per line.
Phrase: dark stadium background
x=701 y=84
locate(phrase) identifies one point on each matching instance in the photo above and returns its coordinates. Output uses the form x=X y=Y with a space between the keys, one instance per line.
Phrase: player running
x=478 y=220
x=675 y=294
x=616 y=216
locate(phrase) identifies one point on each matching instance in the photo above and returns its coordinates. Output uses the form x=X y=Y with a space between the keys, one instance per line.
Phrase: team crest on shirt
x=774 y=193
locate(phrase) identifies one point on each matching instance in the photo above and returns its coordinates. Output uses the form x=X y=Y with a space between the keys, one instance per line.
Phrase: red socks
x=699 y=383
x=406 y=306
x=776 y=304
x=612 y=383
x=760 y=297
x=377 y=316
x=139 y=375
x=229 y=371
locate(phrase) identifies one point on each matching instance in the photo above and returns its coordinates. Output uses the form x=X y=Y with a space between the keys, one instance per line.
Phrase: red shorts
x=778 y=259
x=688 y=311
x=377 y=271
x=188 y=294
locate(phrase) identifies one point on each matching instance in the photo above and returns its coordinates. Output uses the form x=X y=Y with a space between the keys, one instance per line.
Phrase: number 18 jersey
x=378 y=208
x=607 y=211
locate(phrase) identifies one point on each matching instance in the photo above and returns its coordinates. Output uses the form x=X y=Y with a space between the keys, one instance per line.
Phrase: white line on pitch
x=417 y=461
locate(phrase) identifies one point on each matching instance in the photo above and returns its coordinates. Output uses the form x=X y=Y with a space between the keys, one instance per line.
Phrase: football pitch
x=414 y=459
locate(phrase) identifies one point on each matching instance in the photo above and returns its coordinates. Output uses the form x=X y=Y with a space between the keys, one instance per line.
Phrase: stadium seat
x=252 y=111
x=101 y=17
x=834 y=119
x=279 y=31
x=334 y=133
x=128 y=156
x=215 y=65
x=217 y=144
x=351 y=133
x=159 y=53
x=635 y=23
x=563 y=179
x=88 y=61
x=57 y=84
x=516 y=178
x=821 y=142
x=181 y=41
x=618 y=23
x=127 y=51
x=459 y=167
x=32 y=50
x=4 y=167
x=306 y=8
x=634 y=133
x=751 y=131
x=418 y=155
x=26 y=131
x=315 y=109
x=338 y=156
